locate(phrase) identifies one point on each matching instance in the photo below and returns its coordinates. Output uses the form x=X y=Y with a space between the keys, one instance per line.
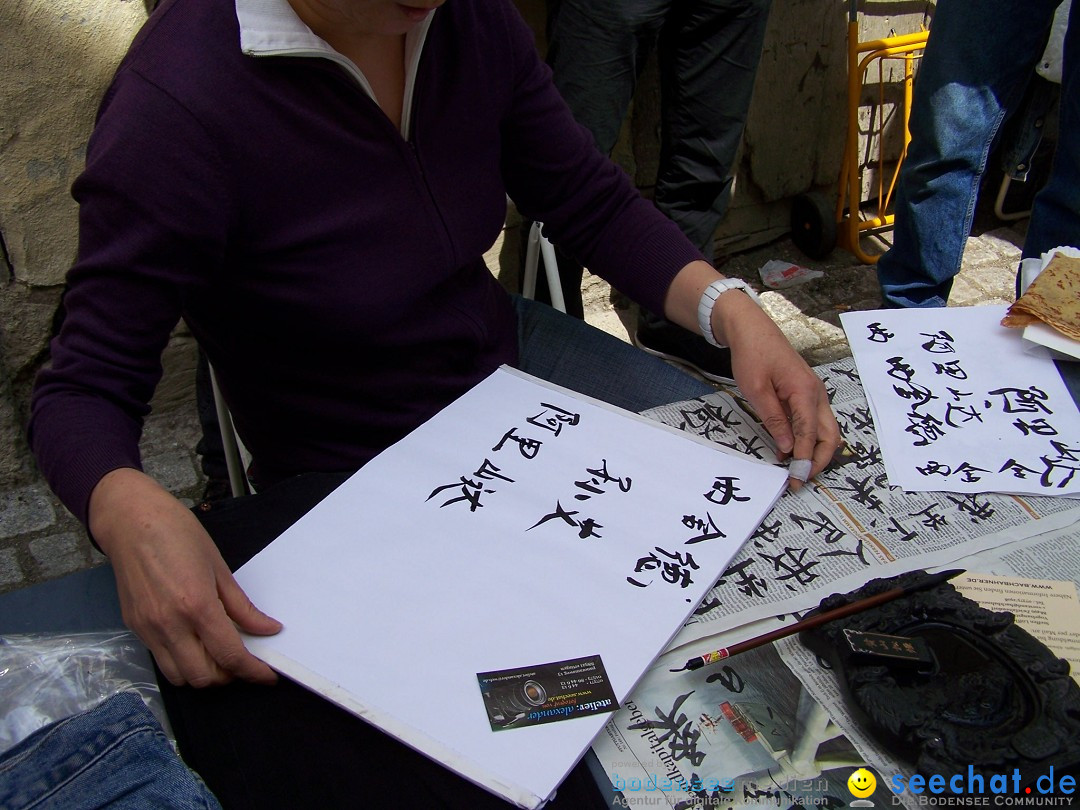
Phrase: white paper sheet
x=961 y=406
x=1059 y=345
x=520 y=526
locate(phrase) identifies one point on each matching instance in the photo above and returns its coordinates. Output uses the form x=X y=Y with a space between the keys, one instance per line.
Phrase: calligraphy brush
x=816 y=620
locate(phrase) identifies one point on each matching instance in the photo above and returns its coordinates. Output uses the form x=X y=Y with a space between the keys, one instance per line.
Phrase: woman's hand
x=176 y=593
x=786 y=394
x=778 y=384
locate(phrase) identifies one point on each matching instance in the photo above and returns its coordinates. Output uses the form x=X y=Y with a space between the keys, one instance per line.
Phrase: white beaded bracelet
x=708 y=301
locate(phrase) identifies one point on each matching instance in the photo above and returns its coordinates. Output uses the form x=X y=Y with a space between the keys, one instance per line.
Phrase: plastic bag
x=47 y=677
x=777 y=275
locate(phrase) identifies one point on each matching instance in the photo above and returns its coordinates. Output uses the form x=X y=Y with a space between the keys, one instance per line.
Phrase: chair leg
x=234 y=461
x=551 y=269
x=532 y=256
x=538 y=245
x=999 y=203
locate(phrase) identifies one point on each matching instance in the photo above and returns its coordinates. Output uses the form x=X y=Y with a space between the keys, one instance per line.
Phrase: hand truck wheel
x=813 y=224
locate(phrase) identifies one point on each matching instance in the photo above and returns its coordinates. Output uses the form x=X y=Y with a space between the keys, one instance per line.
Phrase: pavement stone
x=25 y=509
x=11 y=573
x=59 y=554
x=177 y=471
x=802 y=336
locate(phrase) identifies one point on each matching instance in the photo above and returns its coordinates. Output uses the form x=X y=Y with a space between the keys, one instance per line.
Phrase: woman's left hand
x=777 y=383
x=786 y=394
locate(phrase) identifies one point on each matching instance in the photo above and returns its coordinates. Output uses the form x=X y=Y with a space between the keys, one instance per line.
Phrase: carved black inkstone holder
x=991 y=696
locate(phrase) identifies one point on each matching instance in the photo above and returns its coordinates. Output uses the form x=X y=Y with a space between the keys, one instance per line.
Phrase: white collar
x=272 y=28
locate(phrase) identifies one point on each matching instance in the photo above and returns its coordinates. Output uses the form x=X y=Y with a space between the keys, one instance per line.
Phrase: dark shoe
x=217 y=489
x=674 y=343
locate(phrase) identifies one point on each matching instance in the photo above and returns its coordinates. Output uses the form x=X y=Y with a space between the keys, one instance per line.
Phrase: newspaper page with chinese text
x=848 y=525
x=768 y=728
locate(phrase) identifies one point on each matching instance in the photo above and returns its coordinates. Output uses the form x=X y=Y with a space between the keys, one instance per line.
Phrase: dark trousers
x=708 y=52
x=264 y=747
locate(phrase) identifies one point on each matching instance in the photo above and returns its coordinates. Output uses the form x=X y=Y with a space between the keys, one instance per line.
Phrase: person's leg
x=575 y=355
x=596 y=51
x=709 y=53
x=1055 y=215
x=112 y=755
x=977 y=63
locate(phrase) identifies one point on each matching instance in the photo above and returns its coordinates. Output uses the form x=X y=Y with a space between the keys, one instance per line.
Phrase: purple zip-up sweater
x=331 y=269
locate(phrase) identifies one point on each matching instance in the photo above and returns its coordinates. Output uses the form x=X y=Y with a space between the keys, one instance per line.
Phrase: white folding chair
x=538 y=245
x=237 y=457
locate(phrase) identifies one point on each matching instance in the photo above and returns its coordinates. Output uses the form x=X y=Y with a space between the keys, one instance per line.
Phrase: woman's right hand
x=176 y=593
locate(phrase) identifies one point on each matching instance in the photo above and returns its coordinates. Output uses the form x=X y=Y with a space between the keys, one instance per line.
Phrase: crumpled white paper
x=777 y=274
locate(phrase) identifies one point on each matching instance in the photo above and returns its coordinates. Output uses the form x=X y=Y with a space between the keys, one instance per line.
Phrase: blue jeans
x=575 y=355
x=978 y=61
x=113 y=756
x=1055 y=215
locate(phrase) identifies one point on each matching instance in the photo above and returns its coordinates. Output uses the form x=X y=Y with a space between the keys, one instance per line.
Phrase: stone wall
x=56 y=57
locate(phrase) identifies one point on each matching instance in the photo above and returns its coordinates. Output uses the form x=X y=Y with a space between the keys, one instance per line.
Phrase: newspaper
x=1053 y=552
x=745 y=734
x=1046 y=608
x=769 y=728
x=848 y=525
x=821 y=686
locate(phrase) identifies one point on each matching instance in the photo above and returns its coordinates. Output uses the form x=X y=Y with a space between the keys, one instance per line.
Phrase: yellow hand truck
x=817 y=223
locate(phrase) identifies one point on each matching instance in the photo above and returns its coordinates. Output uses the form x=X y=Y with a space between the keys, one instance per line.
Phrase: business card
x=546 y=693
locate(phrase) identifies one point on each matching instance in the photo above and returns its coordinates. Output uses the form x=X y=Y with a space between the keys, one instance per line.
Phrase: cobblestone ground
x=40 y=540
x=809 y=313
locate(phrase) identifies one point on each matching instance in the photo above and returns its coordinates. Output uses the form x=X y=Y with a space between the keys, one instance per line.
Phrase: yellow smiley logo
x=861 y=783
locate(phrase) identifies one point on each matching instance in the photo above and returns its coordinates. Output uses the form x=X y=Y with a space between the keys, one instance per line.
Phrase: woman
x=311 y=184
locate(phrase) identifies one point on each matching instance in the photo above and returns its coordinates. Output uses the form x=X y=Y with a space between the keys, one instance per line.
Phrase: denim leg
x=114 y=755
x=977 y=63
x=575 y=355
x=1055 y=214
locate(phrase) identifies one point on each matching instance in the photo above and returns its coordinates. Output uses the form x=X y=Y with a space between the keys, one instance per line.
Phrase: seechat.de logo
x=862 y=784
x=982 y=789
